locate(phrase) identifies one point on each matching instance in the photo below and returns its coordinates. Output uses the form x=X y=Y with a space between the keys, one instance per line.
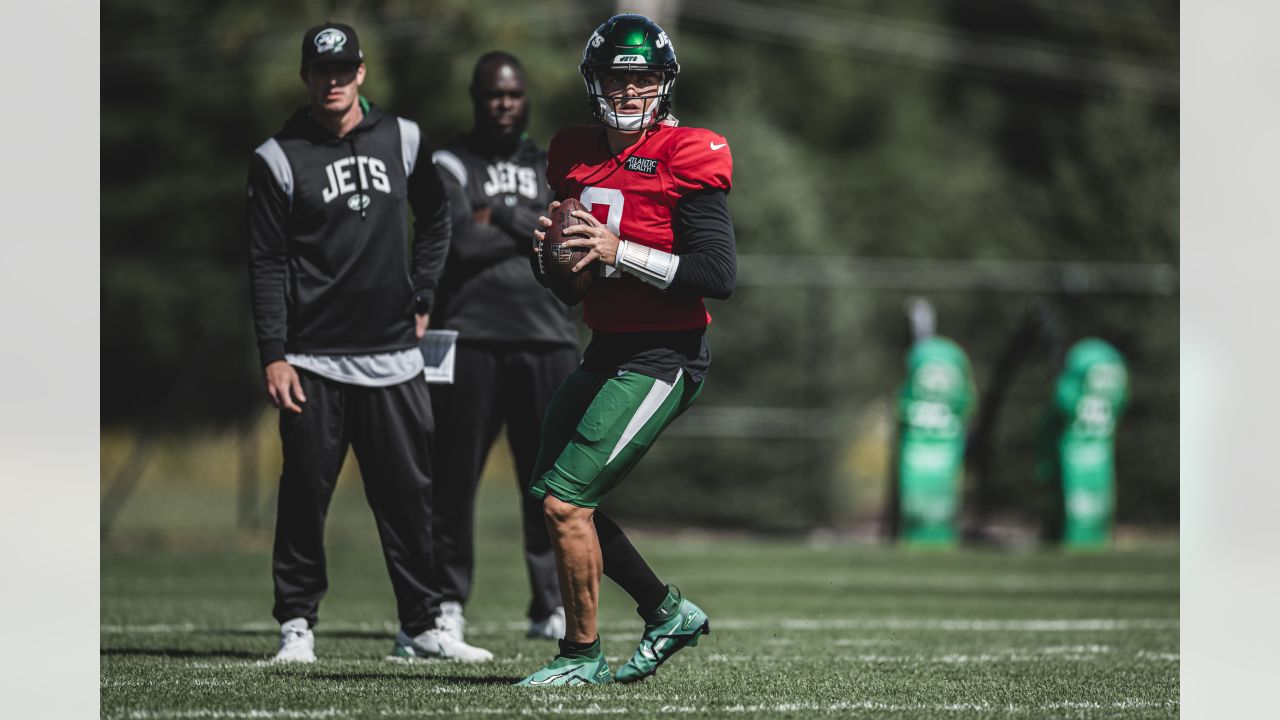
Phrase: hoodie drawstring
x=355 y=160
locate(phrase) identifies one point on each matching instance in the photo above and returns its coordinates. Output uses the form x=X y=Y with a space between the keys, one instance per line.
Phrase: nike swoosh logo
x=553 y=678
x=717 y=147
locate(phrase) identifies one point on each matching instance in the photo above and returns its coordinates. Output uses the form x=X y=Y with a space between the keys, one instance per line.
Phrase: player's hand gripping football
x=600 y=242
x=284 y=386
x=539 y=235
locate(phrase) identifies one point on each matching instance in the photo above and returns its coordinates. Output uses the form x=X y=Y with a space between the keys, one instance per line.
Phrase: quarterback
x=658 y=229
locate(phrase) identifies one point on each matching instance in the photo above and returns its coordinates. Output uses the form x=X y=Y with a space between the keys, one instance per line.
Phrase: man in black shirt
x=338 y=308
x=516 y=341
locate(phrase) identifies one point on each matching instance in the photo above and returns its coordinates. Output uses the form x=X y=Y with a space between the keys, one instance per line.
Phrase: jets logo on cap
x=330 y=40
x=628 y=59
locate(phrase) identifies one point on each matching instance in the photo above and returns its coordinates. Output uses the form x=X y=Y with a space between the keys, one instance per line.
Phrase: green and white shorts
x=598 y=427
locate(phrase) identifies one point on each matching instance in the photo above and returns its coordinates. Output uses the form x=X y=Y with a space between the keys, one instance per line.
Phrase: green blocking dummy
x=1090 y=395
x=933 y=410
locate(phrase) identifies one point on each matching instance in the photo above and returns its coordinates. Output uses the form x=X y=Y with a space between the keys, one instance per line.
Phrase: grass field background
x=799 y=628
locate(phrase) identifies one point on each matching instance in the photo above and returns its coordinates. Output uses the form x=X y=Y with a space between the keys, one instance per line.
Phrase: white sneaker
x=297 y=644
x=437 y=643
x=451 y=620
x=551 y=627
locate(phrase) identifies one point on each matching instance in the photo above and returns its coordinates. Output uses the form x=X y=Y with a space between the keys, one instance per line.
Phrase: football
x=558 y=261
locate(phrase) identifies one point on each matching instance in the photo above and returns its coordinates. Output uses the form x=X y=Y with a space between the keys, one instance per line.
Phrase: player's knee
x=560 y=513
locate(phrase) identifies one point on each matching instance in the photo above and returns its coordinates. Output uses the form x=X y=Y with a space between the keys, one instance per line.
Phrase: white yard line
x=238 y=714
x=836 y=642
x=1003 y=655
x=866 y=623
x=1111 y=582
x=623 y=710
x=1050 y=654
x=1023 y=655
x=974 y=625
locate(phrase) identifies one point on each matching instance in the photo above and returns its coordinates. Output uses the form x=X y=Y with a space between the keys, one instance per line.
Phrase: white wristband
x=651 y=265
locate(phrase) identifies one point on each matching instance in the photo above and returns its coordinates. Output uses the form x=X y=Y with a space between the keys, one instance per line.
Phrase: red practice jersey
x=635 y=195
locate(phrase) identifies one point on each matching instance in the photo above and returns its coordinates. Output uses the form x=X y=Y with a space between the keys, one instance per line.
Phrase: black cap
x=331 y=42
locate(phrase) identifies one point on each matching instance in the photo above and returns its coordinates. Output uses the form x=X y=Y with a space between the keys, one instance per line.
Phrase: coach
x=516 y=342
x=339 y=307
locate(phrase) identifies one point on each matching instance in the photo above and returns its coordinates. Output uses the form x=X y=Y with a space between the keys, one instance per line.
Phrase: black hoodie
x=487 y=293
x=329 y=269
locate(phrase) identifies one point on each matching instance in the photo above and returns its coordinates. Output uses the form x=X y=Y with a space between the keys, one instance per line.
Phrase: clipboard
x=439 y=349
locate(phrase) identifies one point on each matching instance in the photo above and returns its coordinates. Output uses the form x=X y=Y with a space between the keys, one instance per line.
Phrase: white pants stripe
x=657 y=395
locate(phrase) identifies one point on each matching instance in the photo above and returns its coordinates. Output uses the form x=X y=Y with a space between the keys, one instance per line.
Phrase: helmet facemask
x=604 y=108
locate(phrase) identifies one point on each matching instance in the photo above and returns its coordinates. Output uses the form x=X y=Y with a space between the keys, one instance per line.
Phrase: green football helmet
x=632 y=43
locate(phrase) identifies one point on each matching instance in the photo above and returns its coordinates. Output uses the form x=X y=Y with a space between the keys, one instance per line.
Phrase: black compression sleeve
x=706 y=246
x=623 y=565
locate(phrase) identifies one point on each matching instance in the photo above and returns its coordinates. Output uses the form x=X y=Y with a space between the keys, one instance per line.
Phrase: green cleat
x=571 y=670
x=675 y=624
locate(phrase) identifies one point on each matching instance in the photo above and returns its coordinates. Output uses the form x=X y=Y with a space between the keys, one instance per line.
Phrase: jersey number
x=592 y=196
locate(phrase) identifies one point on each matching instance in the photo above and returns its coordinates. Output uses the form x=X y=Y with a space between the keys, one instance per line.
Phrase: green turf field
x=796 y=631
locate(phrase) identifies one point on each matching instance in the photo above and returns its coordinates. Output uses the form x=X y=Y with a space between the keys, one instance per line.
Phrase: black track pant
x=494 y=385
x=390 y=430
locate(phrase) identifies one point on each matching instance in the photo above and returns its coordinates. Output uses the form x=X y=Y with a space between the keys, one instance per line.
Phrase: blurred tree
x=1012 y=130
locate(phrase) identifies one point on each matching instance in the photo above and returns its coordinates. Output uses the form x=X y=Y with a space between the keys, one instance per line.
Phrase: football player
x=658 y=231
